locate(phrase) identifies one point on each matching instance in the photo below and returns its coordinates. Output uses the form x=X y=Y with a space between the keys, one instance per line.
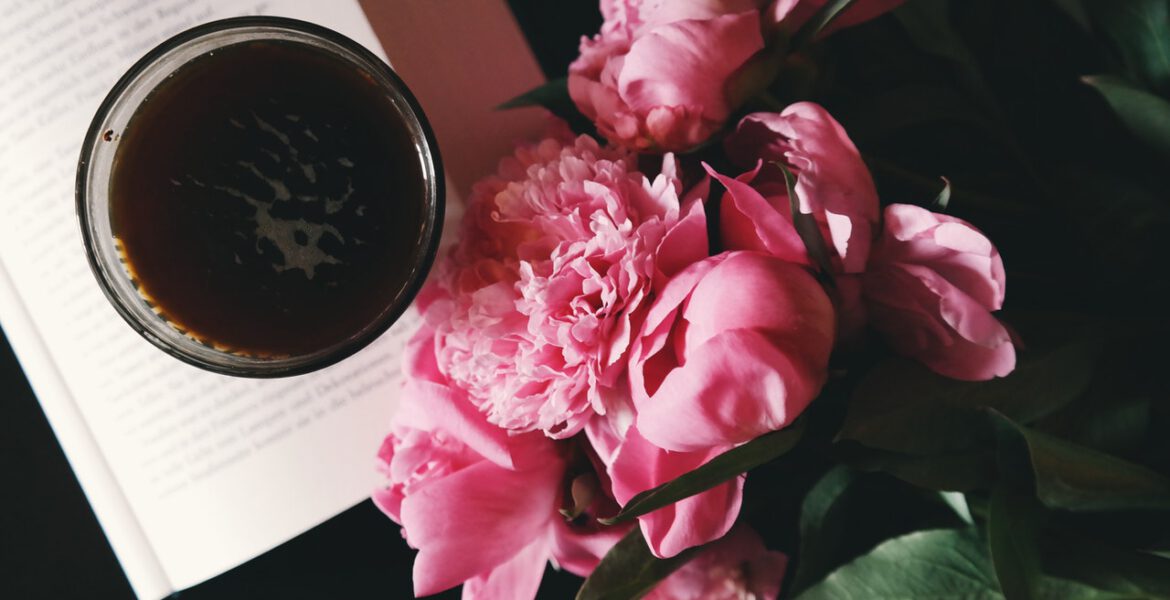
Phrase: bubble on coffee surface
x=297 y=240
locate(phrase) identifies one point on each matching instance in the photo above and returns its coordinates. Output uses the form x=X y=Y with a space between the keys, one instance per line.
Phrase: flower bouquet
x=717 y=336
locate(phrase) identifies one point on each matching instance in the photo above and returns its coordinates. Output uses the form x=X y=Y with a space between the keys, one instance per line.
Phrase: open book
x=191 y=473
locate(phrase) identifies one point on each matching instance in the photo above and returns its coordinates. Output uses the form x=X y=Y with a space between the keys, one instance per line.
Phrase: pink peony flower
x=639 y=465
x=662 y=75
x=736 y=567
x=932 y=285
x=790 y=15
x=734 y=318
x=833 y=185
x=536 y=305
x=735 y=346
x=453 y=481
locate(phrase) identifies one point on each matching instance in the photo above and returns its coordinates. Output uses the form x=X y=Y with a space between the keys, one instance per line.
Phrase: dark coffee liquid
x=268 y=199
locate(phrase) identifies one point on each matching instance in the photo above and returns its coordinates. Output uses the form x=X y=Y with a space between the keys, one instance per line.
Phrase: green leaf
x=1140 y=31
x=903 y=407
x=1071 y=477
x=888 y=114
x=928 y=25
x=1113 y=572
x=554 y=96
x=958 y=503
x=728 y=465
x=819 y=21
x=942 y=563
x=958 y=472
x=1145 y=115
x=821 y=526
x=954 y=564
x=806 y=226
x=1075 y=9
x=1011 y=536
x=550 y=94
x=944 y=196
x=1106 y=419
x=629 y=571
x=1052 y=588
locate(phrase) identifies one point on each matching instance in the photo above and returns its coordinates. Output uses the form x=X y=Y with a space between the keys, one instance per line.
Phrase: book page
x=189 y=472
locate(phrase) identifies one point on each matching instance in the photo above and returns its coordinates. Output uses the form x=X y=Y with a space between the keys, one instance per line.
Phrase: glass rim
x=433 y=201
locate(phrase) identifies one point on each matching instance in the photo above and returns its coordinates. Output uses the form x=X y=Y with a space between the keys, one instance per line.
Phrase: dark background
x=52 y=547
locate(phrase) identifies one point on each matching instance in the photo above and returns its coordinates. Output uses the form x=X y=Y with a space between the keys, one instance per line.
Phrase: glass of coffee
x=260 y=196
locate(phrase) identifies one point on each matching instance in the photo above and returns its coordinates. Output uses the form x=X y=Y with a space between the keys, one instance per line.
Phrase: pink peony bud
x=661 y=76
x=833 y=185
x=932 y=284
x=735 y=346
x=736 y=567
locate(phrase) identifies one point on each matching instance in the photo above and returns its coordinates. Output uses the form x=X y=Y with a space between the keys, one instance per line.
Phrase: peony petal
x=685 y=244
x=735 y=566
x=658 y=326
x=963 y=314
x=952 y=247
x=604 y=437
x=735 y=387
x=518 y=578
x=690 y=522
x=769 y=295
x=749 y=222
x=927 y=318
x=431 y=402
x=686 y=63
x=790 y=15
x=449 y=409
x=386 y=498
x=449 y=519
x=577 y=551
x=833 y=183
